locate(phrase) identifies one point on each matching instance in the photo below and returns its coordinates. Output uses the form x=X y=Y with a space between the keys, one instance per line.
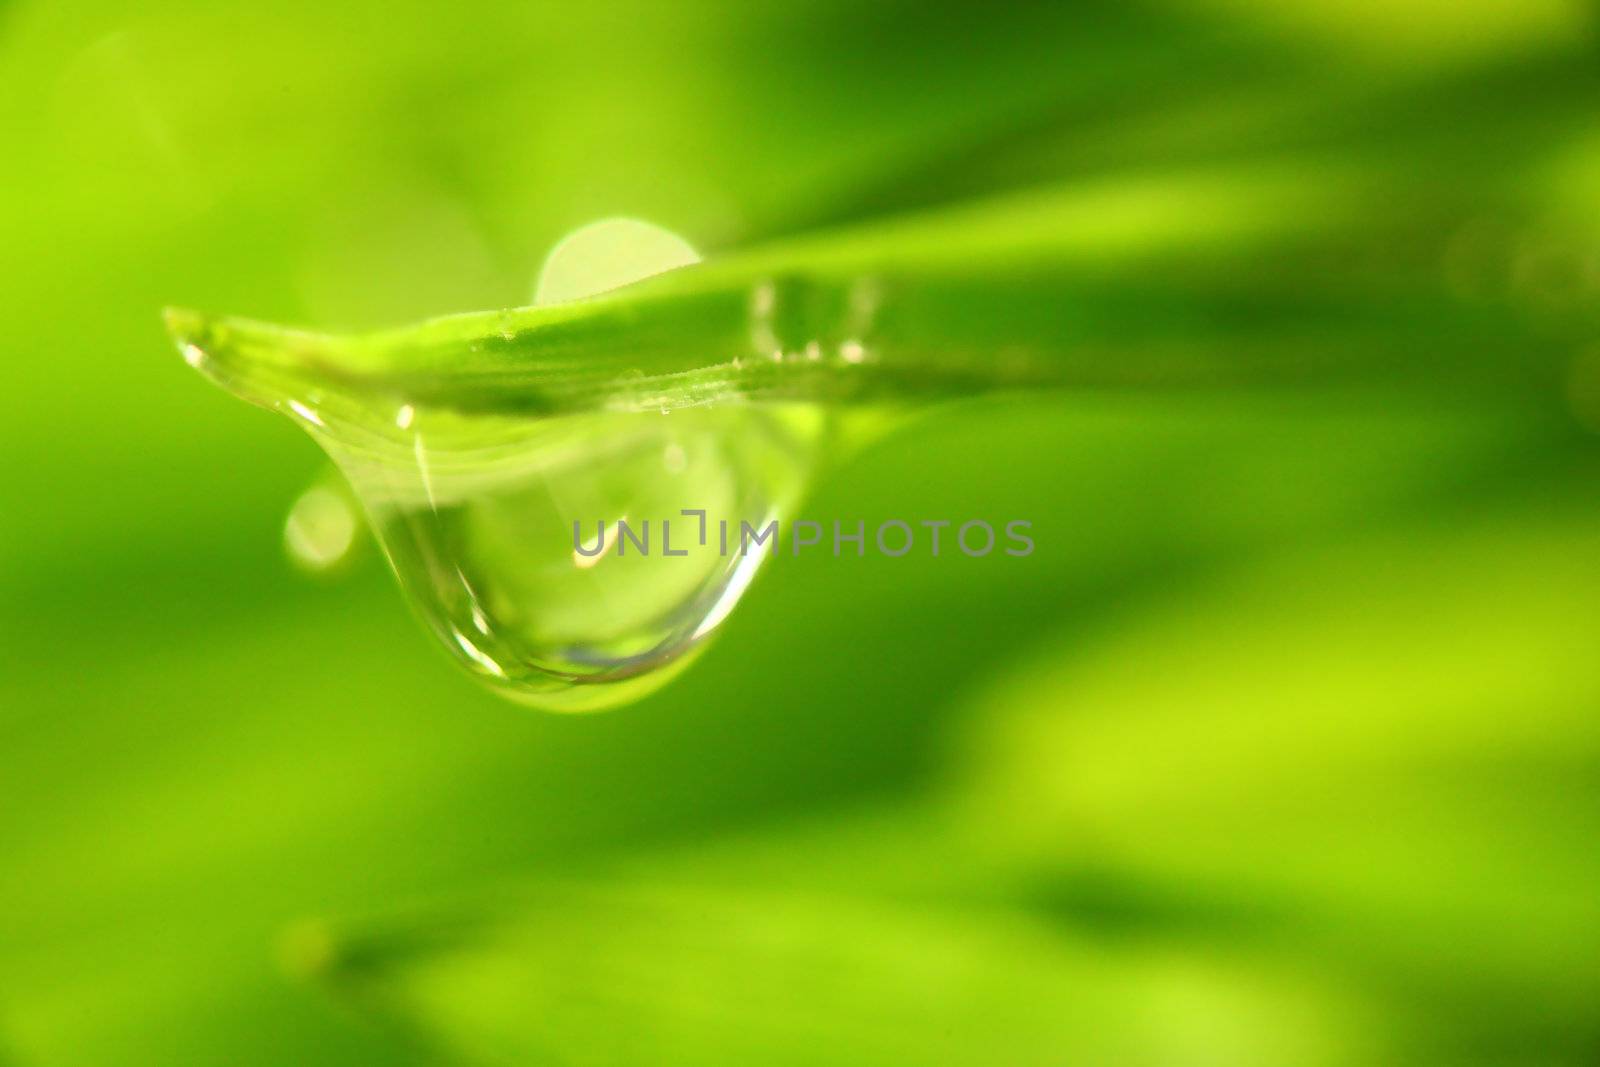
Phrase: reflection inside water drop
x=478 y=517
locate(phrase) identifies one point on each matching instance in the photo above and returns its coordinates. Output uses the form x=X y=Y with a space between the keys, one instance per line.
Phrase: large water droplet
x=572 y=562
x=505 y=533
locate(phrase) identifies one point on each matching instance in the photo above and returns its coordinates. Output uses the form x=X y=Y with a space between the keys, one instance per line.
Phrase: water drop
x=492 y=520
x=479 y=515
x=484 y=520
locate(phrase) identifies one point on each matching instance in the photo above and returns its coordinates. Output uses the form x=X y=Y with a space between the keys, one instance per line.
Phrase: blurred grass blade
x=1382 y=757
x=1361 y=236
x=608 y=973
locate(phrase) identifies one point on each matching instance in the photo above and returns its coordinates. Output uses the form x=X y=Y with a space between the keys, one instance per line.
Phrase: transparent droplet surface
x=572 y=562
x=561 y=560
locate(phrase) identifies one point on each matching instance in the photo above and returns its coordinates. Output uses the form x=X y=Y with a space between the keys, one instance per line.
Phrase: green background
x=1281 y=748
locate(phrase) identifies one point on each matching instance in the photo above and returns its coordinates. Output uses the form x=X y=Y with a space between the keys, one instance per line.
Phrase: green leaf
x=624 y=972
x=1381 y=246
x=1381 y=756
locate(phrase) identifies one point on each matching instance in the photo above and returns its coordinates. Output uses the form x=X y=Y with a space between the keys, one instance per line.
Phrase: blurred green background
x=1283 y=748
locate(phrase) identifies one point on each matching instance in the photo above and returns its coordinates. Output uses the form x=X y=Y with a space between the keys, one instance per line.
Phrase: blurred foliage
x=1279 y=749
